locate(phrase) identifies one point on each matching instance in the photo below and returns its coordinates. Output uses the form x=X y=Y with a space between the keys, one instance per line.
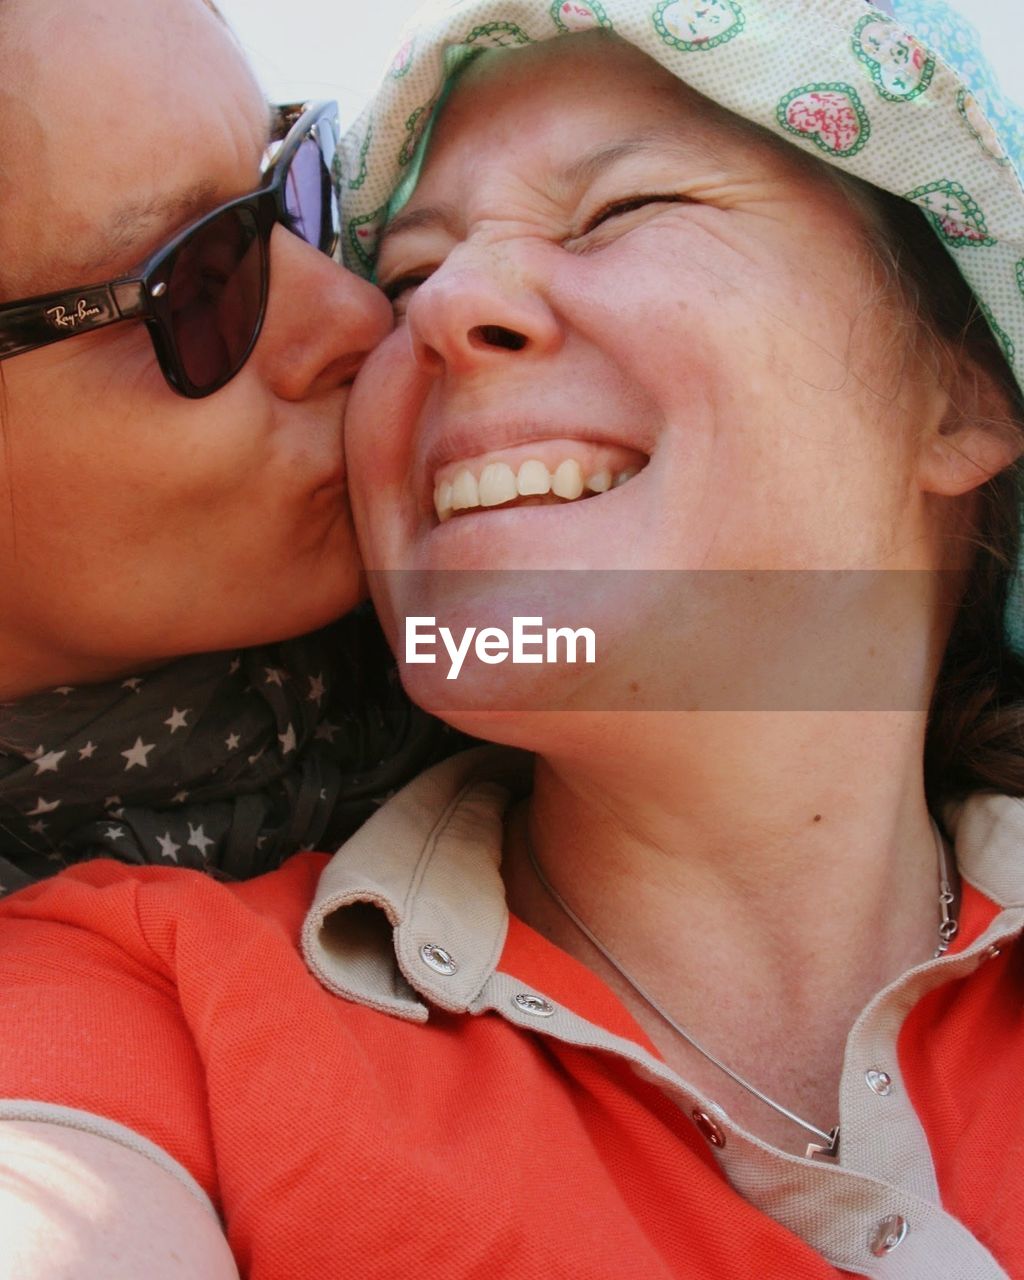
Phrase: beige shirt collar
x=421 y=876
x=423 y=873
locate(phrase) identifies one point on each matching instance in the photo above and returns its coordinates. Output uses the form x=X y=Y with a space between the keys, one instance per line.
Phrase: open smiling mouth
x=537 y=476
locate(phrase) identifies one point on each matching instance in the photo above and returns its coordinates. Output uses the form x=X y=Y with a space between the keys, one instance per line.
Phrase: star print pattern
x=50 y=762
x=44 y=806
x=168 y=849
x=198 y=839
x=158 y=769
x=138 y=756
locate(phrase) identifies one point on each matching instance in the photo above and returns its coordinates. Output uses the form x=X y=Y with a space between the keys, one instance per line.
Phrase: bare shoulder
x=75 y=1204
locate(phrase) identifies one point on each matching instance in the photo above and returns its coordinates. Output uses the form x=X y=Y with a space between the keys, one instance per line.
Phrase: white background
x=337 y=48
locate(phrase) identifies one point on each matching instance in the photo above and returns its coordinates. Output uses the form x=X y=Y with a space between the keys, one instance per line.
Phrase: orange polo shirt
x=372 y=1071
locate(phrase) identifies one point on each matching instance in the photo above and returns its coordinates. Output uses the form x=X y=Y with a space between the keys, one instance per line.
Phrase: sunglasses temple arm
x=37 y=322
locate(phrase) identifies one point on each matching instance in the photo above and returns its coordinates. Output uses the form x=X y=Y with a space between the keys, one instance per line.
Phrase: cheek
x=380 y=434
x=95 y=436
x=781 y=438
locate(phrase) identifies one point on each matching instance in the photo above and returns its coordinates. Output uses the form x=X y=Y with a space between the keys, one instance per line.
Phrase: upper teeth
x=498 y=483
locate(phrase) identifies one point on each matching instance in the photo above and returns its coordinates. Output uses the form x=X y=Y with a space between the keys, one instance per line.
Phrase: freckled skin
x=745 y=267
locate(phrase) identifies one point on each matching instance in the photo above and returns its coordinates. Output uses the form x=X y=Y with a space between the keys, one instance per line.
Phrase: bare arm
x=75 y=1206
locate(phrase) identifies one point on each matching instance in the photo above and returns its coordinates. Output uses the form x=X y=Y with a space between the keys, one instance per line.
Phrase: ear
x=975 y=433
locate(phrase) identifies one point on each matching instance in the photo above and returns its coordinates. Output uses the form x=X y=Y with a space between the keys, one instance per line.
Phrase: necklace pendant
x=825 y=1151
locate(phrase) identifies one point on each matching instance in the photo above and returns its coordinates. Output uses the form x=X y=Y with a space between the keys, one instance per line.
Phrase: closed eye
x=619 y=207
x=399 y=291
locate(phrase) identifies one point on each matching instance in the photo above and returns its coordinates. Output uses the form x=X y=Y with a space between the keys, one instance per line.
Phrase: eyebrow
x=429 y=216
x=577 y=174
x=175 y=210
x=590 y=166
x=134 y=223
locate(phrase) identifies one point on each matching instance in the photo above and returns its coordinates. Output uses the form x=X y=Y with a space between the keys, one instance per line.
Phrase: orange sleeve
x=90 y=1016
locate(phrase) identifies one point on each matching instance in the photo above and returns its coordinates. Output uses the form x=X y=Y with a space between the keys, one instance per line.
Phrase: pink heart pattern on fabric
x=831 y=116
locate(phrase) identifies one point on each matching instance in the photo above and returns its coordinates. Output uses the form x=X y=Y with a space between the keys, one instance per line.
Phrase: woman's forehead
x=87 y=69
x=555 y=98
x=595 y=69
x=558 y=116
x=160 y=73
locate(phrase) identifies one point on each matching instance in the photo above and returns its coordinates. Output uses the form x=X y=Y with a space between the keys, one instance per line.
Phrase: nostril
x=496 y=335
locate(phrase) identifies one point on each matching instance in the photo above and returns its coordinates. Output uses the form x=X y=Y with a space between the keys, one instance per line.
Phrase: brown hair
x=975 y=735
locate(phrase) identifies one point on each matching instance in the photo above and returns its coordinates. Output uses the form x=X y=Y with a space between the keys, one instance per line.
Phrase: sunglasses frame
x=31 y=323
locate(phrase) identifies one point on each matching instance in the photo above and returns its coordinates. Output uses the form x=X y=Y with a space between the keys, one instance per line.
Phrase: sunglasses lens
x=303 y=196
x=215 y=290
x=308 y=197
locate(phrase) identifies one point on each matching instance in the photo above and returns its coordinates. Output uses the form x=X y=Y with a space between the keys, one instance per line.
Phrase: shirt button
x=535 y=1005
x=889 y=1234
x=879 y=1082
x=436 y=958
x=707 y=1127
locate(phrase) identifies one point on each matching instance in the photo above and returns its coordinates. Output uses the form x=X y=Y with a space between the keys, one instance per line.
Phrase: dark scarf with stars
x=225 y=762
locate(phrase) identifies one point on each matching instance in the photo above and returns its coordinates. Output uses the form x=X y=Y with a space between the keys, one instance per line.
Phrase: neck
x=757 y=856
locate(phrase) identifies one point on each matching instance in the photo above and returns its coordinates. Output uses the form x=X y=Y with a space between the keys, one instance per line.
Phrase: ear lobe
x=977 y=436
x=955 y=464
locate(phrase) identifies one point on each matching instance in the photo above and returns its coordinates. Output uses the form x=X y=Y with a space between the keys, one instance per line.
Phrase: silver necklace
x=826 y=1144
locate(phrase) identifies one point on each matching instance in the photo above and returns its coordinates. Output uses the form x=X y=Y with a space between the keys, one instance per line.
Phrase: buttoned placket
x=896 y=1228
x=899 y=1230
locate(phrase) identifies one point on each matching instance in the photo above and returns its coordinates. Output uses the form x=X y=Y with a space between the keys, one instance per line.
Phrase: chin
x=496 y=641
x=551 y=731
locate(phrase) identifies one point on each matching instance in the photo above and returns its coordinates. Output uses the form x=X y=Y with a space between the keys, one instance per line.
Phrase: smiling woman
x=641 y=336
x=622 y=251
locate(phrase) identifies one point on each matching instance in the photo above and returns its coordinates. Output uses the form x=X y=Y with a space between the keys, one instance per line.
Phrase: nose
x=321 y=323
x=479 y=309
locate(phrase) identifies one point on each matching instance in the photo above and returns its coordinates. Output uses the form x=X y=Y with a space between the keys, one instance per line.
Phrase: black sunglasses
x=203 y=295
